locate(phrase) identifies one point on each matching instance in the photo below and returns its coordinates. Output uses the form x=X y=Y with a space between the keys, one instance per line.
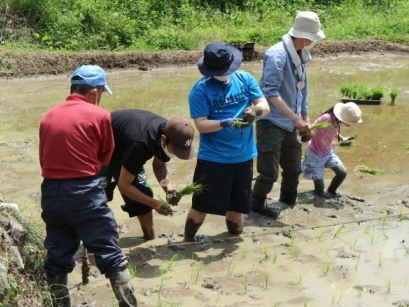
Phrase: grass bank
x=156 y=25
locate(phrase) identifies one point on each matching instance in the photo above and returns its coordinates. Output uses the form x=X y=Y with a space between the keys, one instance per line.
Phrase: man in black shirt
x=140 y=135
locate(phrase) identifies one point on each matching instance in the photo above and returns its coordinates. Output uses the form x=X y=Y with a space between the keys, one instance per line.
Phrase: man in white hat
x=284 y=84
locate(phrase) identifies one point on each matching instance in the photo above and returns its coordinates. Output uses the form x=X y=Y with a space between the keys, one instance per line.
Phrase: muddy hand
x=164 y=209
x=173 y=197
x=250 y=113
x=352 y=137
x=305 y=135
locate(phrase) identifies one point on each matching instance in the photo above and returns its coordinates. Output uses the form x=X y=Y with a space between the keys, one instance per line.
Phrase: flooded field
x=353 y=252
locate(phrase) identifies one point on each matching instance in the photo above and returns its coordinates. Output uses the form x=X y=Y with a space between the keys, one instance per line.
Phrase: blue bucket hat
x=219 y=59
x=91 y=75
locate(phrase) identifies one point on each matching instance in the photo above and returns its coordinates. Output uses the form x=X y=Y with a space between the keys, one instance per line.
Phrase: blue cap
x=91 y=75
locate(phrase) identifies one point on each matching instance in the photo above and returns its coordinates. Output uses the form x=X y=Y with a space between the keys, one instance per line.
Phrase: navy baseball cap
x=91 y=75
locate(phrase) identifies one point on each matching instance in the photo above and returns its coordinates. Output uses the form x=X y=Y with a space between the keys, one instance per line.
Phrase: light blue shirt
x=279 y=78
x=216 y=100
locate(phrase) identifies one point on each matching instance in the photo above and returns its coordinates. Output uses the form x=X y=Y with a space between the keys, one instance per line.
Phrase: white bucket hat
x=307 y=25
x=348 y=112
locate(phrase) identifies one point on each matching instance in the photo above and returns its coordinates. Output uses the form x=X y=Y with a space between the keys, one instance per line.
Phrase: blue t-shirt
x=216 y=100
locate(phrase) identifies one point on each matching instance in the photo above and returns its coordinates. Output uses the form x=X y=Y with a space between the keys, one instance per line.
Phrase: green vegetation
x=75 y=25
x=361 y=91
x=365 y=169
x=393 y=94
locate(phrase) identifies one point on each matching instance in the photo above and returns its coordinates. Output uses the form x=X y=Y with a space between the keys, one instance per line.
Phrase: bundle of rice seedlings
x=321 y=125
x=191 y=188
x=365 y=169
x=347 y=143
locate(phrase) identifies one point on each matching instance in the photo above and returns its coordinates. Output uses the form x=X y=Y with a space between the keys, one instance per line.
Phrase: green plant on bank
x=145 y=25
x=393 y=94
x=365 y=169
x=361 y=91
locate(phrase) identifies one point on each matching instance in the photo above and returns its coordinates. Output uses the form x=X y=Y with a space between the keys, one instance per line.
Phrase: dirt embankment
x=52 y=63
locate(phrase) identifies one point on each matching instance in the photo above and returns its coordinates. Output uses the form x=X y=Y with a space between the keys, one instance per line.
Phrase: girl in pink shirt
x=319 y=153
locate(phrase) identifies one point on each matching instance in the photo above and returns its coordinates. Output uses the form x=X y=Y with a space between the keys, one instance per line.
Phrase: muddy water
x=308 y=269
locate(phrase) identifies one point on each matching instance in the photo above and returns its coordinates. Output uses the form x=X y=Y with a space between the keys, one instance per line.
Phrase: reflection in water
x=380 y=143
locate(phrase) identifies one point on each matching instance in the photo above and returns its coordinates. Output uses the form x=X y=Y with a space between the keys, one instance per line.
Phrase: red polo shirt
x=75 y=139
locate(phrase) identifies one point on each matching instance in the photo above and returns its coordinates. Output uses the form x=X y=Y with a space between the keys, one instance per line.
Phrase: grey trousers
x=277 y=148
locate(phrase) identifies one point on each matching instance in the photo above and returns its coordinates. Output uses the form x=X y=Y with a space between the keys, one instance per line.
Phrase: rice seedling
x=190 y=189
x=306 y=301
x=384 y=220
x=294 y=252
x=230 y=267
x=160 y=288
x=381 y=260
x=274 y=258
x=325 y=267
x=340 y=297
x=266 y=280
x=132 y=270
x=365 y=169
x=338 y=230
x=401 y=216
x=393 y=94
x=298 y=279
x=357 y=262
x=219 y=295
x=321 y=235
x=373 y=235
x=388 y=285
x=407 y=146
x=353 y=244
x=244 y=251
x=171 y=262
x=265 y=252
x=196 y=272
x=385 y=235
x=245 y=283
x=359 y=289
x=321 y=125
x=367 y=229
x=406 y=248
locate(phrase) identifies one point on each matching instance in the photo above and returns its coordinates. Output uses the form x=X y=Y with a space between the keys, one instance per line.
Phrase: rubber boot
x=123 y=289
x=259 y=206
x=60 y=295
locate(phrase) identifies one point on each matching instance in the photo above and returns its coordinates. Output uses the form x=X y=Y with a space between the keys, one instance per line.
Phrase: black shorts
x=132 y=207
x=227 y=187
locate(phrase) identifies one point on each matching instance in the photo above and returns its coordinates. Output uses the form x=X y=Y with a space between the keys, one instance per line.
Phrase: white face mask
x=342 y=126
x=312 y=45
x=165 y=149
x=222 y=78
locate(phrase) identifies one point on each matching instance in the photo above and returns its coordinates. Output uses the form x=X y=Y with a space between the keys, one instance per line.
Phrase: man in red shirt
x=76 y=140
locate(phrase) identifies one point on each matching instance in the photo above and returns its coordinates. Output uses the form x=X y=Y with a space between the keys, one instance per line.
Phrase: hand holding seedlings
x=305 y=135
x=235 y=123
x=250 y=113
x=164 y=209
x=173 y=197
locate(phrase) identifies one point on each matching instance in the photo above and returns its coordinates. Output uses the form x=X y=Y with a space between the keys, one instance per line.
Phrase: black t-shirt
x=136 y=134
